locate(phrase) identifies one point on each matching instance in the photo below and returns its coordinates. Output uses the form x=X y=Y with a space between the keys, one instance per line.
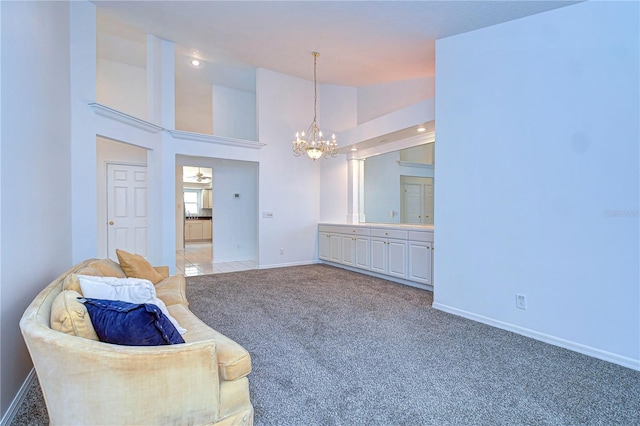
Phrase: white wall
x=35 y=167
x=123 y=87
x=537 y=177
x=381 y=99
x=288 y=185
x=193 y=106
x=235 y=220
x=337 y=112
x=234 y=113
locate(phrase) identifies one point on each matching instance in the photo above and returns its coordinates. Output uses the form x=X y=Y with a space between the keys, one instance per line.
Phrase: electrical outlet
x=281 y=251
x=521 y=301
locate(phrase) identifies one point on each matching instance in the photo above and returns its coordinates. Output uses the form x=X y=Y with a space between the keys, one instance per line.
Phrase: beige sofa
x=88 y=382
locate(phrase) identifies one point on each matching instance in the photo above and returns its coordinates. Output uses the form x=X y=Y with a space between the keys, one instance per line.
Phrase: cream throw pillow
x=136 y=266
x=132 y=290
x=71 y=280
x=70 y=316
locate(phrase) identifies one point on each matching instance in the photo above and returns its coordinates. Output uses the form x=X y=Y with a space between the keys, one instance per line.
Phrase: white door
x=417 y=200
x=413 y=203
x=428 y=201
x=126 y=209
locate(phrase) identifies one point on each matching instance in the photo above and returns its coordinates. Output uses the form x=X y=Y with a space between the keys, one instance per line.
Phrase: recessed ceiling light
x=354 y=149
x=421 y=129
x=195 y=62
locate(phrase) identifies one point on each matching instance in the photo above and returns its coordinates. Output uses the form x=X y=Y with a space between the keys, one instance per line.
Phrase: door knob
x=110 y=222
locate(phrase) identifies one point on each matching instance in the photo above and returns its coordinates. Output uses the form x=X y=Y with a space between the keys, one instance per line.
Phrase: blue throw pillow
x=132 y=324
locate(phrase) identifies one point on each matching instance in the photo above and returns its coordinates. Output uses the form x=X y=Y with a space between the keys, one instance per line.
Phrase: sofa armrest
x=173 y=290
x=90 y=382
x=162 y=270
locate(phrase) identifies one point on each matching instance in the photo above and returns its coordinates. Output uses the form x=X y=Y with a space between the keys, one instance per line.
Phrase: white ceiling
x=361 y=42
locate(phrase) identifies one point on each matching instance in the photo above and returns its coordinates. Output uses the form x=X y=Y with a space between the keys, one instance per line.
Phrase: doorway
x=232 y=194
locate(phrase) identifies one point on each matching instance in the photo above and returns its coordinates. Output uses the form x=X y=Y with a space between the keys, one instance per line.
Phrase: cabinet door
x=207 y=198
x=324 y=247
x=334 y=248
x=362 y=252
x=379 y=255
x=196 y=230
x=397 y=258
x=187 y=231
x=420 y=262
x=206 y=229
x=348 y=250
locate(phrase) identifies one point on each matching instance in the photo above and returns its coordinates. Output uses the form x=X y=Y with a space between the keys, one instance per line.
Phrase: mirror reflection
x=398 y=186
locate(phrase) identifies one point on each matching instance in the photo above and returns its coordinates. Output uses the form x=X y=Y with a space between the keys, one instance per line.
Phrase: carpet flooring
x=333 y=347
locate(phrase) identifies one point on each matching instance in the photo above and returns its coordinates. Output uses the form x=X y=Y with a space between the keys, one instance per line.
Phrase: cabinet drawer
x=423 y=236
x=355 y=230
x=331 y=229
x=389 y=233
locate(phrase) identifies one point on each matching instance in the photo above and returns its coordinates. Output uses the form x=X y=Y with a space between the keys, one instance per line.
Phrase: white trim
x=418 y=165
x=122 y=117
x=220 y=140
x=381 y=276
x=11 y=412
x=413 y=141
x=634 y=364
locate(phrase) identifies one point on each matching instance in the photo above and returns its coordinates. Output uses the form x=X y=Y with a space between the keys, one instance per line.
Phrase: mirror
x=398 y=186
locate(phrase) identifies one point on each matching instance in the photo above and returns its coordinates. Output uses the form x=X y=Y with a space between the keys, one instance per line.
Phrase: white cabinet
x=355 y=251
x=324 y=246
x=399 y=253
x=420 y=262
x=389 y=252
x=421 y=257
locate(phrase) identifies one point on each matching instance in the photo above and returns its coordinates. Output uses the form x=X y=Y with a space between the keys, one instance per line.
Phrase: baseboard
x=284 y=265
x=381 y=276
x=634 y=364
x=8 y=417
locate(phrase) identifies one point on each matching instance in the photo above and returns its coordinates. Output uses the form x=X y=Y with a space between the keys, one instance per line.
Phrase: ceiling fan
x=199 y=177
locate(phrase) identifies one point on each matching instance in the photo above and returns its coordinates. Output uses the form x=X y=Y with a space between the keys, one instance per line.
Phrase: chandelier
x=311 y=142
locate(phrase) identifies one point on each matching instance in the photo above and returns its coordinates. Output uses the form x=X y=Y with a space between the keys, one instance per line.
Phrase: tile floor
x=195 y=259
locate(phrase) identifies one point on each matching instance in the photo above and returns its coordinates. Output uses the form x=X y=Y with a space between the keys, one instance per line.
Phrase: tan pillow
x=70 y=316
x=108 y=267
x=136 y=266
x=71 y=281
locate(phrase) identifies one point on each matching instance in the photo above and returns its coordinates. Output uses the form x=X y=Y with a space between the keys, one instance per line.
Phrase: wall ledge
x=125 y=118
x=220 y=140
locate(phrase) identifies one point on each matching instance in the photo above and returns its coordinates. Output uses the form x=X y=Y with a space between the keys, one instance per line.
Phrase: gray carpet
x=332 y=347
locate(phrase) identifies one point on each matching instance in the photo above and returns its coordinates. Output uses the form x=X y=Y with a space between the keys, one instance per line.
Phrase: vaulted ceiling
x=361 y=42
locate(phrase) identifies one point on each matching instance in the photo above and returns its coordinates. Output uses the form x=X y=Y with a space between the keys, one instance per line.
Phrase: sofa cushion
x=108 y=267
x=132 y=324
x=136 y=266
x=172 y=290
x=71 y=282
x=132 y=290
x=234 y=361
x=70 y=316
